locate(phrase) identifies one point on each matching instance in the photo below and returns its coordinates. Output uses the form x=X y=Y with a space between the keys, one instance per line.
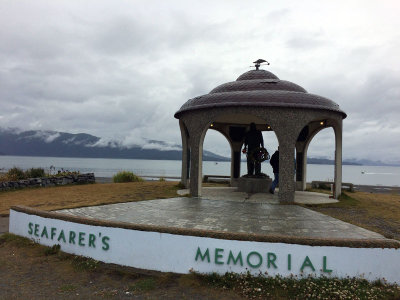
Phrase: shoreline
x=376 y=189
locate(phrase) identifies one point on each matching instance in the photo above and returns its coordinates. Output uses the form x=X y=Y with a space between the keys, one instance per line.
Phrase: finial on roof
x=258 y=63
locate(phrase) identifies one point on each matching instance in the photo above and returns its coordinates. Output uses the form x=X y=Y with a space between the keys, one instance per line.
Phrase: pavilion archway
x=306 y=136
x=258 y=96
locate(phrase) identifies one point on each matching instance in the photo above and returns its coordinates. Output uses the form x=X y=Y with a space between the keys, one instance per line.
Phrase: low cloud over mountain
x=62 y=144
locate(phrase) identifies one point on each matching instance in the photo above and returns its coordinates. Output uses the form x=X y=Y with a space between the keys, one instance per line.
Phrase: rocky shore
x=48 y=181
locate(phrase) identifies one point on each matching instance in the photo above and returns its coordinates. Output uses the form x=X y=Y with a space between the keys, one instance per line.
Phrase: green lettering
x=271 y=258
x=259 y=259
x=206 y=254
x=238 y=258
x=324 y=269
x=289 y=262
x=81 y=238
x=218 y=256
x=92 y=239
x=30 y=226
x=62 y=236
x=105 y=240
x=36 y=230
x=307 y=263
x=44 y=232
x=72 y=237
x=52 y=232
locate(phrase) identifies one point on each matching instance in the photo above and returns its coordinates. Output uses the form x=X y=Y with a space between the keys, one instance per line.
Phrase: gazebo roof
x=257 y=88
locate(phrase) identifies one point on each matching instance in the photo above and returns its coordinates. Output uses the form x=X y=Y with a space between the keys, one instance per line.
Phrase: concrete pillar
x=236 y=153
x=300 y=169
x=286 y=172
x=338 y=129
x=304 y=174
x=196 y=164
x=185 y=155
x=301 y=165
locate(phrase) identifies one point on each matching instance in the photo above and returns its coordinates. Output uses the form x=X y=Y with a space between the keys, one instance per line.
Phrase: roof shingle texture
x=259 y=88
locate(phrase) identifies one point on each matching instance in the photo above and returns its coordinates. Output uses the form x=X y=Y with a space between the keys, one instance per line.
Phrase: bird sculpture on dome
x=258 y=63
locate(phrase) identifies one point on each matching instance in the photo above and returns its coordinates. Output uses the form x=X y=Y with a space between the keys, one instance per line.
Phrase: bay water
x=106 y=167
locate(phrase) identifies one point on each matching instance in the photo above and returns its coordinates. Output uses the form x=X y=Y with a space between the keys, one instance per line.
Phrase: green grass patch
x=180 y=185
x=55 y=249
x=345 y=201
x=167 y=278
x=126 y=176
x=322 y=191
x=265 y=287
x=67 y=288
x=35 y=173
x=16 y=240
x=81 y=263
x=143 y=285
x=15 y=174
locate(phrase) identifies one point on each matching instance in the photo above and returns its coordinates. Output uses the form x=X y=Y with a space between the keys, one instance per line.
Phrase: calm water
x=104 y=167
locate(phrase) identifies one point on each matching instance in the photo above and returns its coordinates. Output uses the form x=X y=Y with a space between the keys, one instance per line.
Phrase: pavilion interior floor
x=226 y=210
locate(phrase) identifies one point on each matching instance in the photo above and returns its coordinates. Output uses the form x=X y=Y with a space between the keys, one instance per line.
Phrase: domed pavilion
x=259 y=96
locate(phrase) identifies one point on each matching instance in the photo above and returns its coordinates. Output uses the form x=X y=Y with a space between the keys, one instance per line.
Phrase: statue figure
x=253 y=141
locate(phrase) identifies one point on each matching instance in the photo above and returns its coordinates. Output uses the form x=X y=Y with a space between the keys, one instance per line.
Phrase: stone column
x=185 y=154
x=301 y=166
x=236 y=148
x=286 y=172
x=287 y=129
x=338 y=128
x=196 y=125
x=301 y=158
x=300 y=170
x=304 y=175
x=196 y=165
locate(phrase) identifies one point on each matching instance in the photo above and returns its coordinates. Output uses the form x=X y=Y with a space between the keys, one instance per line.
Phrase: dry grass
x=385 y=206
x=31 y=271
x=376 y=212
x=52 y=198
x=27 y=271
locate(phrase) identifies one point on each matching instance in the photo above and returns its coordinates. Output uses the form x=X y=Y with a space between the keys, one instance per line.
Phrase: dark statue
x=253 y=141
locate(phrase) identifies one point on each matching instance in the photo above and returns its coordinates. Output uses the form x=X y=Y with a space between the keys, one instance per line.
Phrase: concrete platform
x=232 y=194
x=256 y=214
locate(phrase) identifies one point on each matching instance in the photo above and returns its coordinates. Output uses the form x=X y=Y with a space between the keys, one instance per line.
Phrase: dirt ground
x=4 y=224
x=26 y=272
x=70 y=196
x=355 y=216
x=376 y=212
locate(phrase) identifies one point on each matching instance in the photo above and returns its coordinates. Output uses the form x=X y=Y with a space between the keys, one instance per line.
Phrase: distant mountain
x=355 y=162
x=367 y=162
x=325 y=161
x=62 y=144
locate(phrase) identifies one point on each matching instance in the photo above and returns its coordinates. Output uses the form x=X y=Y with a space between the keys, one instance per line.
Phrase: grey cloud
x=306 y=41
x=122 y=36
x=121 y=70
x=279 y=15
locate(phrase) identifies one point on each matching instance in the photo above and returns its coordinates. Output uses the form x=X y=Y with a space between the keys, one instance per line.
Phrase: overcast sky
x=121 y=69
